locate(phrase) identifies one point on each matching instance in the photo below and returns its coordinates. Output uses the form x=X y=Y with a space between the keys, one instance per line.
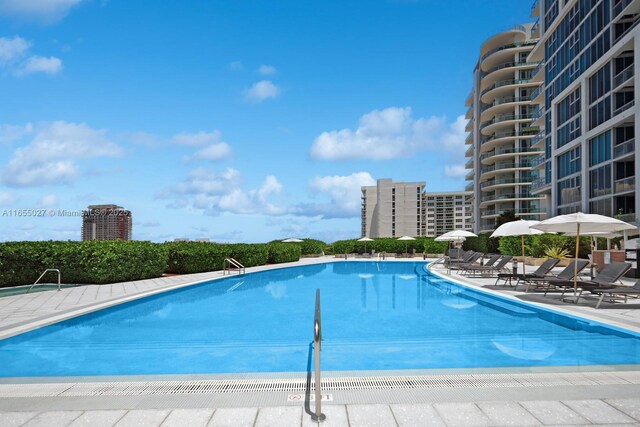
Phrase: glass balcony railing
x=500 y=166
x=539 y=184
x=510 y=150
x=539 y=137
x=506 y=118
x=534 y=5
x=623 y=76
x=534 y=29
x=619 y=6
x=510 y=196
x=624 y=107
x=498 y=135
x=508 y=46
x=510 y=65
x=536 y=92
x=624 y=185
x=536 y=70
x=517 y=211
x=624 y=148
x=538 y=113
x=538 y=160
x=493 y=182
x=502 y=83
x=505 y=100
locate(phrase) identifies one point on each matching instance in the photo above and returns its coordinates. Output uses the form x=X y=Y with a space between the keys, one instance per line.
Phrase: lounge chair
x=498 y=267
x=616 y=293
x=567 y=274
x=471 y=265
x=607 y=278
x=543 y=270
x=473 y=257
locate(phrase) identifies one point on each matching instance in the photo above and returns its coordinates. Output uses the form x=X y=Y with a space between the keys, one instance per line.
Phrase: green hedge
x=198 y=257
x=307 y=246
x=22 y=263
x=537 y=245
x=389 y=245
x=283 y=252
x=483 y=243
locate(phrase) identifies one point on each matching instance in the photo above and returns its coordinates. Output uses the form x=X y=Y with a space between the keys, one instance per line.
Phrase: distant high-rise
x=393 y=209
x=106 y=222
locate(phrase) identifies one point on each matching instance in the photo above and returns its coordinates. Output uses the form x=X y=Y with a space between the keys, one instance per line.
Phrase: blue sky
x=238 y=121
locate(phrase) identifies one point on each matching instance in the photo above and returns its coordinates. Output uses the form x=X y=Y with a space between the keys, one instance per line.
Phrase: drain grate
x=150 y=388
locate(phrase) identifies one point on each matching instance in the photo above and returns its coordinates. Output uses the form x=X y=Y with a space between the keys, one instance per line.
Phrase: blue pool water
x=375 y=316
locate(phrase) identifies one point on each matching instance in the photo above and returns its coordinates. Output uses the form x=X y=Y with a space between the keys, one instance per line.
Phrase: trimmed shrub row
x=22 y=263
x=390 y=245
x=96 y=262
x=307 y=246
x=538 y=244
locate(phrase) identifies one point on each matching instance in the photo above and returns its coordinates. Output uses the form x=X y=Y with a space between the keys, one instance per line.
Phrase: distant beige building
x=448 y=211
x=393 y=209
x=106 y=222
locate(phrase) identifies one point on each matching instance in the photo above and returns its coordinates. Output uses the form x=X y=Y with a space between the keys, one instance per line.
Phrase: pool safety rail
x=42 y=275
x=317 y=348
x=231 y=264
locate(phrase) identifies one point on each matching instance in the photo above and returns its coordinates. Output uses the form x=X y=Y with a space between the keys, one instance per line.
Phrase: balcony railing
x=629 y=217
x=507 y=46
x=517 y=211
x=624 y=185
x=506 y=118
x=510 y=65
x=619 y=6
x=534 y=28
x=539 y=183
x=534 y=5
x=624 y=107
x=505 y=100
x=493 y=182
x=469 y=138
x=500 y=166
x=623 y=76
x=510 y=196
x=536 y=92
x=538 y=113
x=539 y=137
x=624 y=148
x=469 y=151
x=538 y=160
x=510 y=150
x=497 y=135
x=536 y=70
x=502 y=83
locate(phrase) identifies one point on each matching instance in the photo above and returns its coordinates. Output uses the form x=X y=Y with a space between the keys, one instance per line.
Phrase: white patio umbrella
x=457 y=236
x=292 y=240
x=582 y=223
x=517 y=228
x=365 y=240
x=406 y=239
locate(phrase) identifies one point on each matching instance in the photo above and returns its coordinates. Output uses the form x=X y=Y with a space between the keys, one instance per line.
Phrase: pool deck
x=552 y=396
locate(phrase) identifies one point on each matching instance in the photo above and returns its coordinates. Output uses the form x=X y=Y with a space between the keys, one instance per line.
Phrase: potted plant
x=560 y=253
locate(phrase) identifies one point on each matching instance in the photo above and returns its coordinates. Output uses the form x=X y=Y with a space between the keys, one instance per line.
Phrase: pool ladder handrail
x=228 y=262
x=317 y=348
x=42 y=275
x=441 y=260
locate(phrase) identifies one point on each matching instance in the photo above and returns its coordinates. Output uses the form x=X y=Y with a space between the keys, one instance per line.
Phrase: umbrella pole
x=575 y=262
x=522 y=241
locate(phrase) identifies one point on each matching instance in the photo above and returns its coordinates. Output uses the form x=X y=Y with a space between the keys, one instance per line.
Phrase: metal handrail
x=42 y=275
x=232 y=262
x=317 y=348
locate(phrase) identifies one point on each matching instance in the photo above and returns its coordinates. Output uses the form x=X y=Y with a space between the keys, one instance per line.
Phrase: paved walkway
x=508 y=413
x=581 y=405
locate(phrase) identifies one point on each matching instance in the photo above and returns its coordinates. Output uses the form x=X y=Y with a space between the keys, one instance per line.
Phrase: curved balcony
x=493 y=184
x=469 y=139
x=537 y=117
x=486 y=172
x=490 y=126
x=492 y=213
x=504 y=71
x=470 y=150
x=503 y=53
x=538 y=140
x=510 y=197
x=501 y=104
x=469 y=113
x=539 y=160
x=504 y=88
x=538 y=73
x=469 y=126
x=537 y=96
x=501 y=137
x=498 y=154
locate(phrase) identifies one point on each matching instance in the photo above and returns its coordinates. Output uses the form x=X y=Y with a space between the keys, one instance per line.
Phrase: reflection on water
x=376 y=315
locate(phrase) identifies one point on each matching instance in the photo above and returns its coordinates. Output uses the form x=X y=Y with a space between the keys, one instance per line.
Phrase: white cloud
x=213 y=152
x=12 y=49
x=12 y=58
x=344 y=194
x=53 y=154
x=40 y=64
x=388 y=134
x=267 y=70
x=261 y=91
x=48 y=201
x=10 y=133
x=6 y=199
x=216 y=193
x=38 y=10
x=197 y=139
x=455 y=171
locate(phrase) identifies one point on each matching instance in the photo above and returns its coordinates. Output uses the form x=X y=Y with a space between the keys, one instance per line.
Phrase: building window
x=600 y=148
x=569 y=163
x=600 y=181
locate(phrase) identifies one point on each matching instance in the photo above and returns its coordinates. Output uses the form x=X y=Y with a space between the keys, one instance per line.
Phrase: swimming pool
x=376 y=316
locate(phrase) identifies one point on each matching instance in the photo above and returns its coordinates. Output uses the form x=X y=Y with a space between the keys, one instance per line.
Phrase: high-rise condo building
x=106 y=222
x=448 y=211
x=500 y=112
x=395 y=209
x=586 y=107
